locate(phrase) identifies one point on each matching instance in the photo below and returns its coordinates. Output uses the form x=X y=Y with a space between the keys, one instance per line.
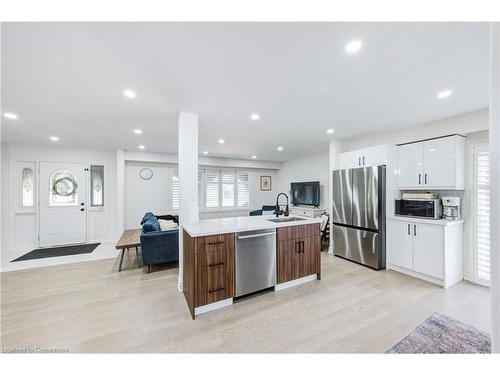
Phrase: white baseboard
x=417 y=275
x=295 y=282
x=213 y=306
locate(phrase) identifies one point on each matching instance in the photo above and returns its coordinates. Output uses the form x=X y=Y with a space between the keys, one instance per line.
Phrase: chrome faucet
x=278 y=207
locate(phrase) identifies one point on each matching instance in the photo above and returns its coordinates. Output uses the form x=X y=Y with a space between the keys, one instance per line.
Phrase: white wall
x=462 y=124
x=309 y=168
x=20 y=227
x=142 y=196
x=153 y=195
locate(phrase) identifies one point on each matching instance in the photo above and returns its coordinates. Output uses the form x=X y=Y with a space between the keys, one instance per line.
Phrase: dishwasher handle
x=257 y=235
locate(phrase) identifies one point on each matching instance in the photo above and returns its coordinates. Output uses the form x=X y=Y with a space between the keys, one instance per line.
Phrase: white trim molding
x=495 y=183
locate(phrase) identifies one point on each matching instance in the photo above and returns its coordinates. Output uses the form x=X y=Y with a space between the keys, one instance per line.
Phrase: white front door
x=63 y=203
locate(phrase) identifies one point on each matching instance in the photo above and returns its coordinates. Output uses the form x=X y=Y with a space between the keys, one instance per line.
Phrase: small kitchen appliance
x=451 y=208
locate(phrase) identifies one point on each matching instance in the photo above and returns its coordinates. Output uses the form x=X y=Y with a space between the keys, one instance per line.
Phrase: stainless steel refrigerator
x=358 y=215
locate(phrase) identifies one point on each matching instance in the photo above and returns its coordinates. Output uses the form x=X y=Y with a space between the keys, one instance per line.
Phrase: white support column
x=120 y=193
x=335 y=148
x=188 y=177
x=495 y=184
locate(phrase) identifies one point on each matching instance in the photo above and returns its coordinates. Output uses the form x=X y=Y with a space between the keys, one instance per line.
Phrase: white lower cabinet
x=428 y=251
x=432 y=252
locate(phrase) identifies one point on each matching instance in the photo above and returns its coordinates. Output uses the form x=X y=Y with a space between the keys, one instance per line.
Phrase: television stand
x=307 y=211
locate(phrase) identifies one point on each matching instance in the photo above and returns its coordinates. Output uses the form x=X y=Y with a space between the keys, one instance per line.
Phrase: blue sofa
x=158 y=246
x=265 y=208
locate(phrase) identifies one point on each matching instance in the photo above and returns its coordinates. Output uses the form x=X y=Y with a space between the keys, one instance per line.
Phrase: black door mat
x=51 y=252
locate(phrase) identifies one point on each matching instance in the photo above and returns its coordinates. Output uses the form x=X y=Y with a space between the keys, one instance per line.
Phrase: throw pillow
x=168 y=224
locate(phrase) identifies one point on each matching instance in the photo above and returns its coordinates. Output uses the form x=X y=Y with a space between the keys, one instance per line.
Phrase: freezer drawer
x=359 y=245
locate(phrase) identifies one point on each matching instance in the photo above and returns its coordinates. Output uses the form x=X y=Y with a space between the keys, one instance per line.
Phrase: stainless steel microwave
x=422 y=208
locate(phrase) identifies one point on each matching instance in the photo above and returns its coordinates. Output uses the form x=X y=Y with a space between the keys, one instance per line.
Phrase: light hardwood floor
x=90 y=307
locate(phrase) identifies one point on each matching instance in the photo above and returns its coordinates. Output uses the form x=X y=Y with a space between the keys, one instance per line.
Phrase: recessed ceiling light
x=221 y=141
x=254 y=156
x=10 y=116
x=255 y=116
x=129 y=93
x=280 y=148
x=205 y=152
x=330 y=131
x=444 y=94
x=54 y=138
x=137 y=131
x=353 y=46
x=142 y=147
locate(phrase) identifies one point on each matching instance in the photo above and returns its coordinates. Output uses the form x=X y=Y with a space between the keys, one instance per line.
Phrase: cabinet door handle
x=425 y=178
x=216 y=243
x=216 y=290
x=301 y=246
x=216 y=264
x=364 y=160
x=415 y=230
x=297 y=247
x=419 y=178
x=359 y=161
x=409 y=229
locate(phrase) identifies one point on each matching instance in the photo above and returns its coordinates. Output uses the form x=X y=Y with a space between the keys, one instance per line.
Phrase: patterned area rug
x=441 y=334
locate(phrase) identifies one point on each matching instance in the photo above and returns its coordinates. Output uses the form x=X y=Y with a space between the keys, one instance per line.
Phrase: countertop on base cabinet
x=209 y=260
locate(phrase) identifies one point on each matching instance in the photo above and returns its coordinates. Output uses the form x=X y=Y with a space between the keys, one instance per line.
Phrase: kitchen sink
x=285 y=219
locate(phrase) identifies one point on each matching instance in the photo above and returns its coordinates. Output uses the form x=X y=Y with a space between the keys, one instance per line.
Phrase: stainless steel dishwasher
x=255 y=260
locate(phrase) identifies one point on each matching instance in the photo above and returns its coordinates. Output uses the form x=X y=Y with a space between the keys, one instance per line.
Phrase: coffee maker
x=451 y=208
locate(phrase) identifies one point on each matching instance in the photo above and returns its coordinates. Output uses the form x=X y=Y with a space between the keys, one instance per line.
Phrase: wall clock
x=146 y=173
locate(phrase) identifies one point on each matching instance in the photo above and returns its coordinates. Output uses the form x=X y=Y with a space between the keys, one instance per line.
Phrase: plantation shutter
x=212 y=179
x=175 y=192
x=228 y=188
x=243 y=190
x=482 y=222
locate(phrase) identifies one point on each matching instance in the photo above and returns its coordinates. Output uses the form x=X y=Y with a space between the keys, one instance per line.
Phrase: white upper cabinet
x=367 y=157
x=437 y=163
x=410 y=165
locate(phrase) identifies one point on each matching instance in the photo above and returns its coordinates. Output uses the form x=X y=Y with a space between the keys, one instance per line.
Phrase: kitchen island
x=210 y=275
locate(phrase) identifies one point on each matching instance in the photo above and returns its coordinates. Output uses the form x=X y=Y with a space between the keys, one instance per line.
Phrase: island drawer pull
x=216 y=290
x=216 y=243
x=216 y=264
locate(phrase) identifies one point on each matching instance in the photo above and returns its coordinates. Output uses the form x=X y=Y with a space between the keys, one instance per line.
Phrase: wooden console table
x=129 y=239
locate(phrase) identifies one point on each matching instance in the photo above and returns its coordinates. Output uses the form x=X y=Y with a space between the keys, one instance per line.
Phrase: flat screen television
x=305 y=193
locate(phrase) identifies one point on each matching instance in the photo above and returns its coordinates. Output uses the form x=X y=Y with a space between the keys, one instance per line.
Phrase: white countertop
x=425 y=221
x=240 y=224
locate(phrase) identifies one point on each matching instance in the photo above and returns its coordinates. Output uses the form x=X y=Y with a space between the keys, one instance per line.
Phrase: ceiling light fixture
x=129 y=93
x=330 y=131
x=142 y=147
x=255 y=116
x=444 y=94
x=10 y=116
x=353 y=46
x=54 y=138
x=254 y=156
x=221 y=141
x=137 y=131
x=205 y=152
x=280 y=148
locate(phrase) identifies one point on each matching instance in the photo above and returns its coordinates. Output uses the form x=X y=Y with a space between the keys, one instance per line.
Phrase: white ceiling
x=67 y=79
